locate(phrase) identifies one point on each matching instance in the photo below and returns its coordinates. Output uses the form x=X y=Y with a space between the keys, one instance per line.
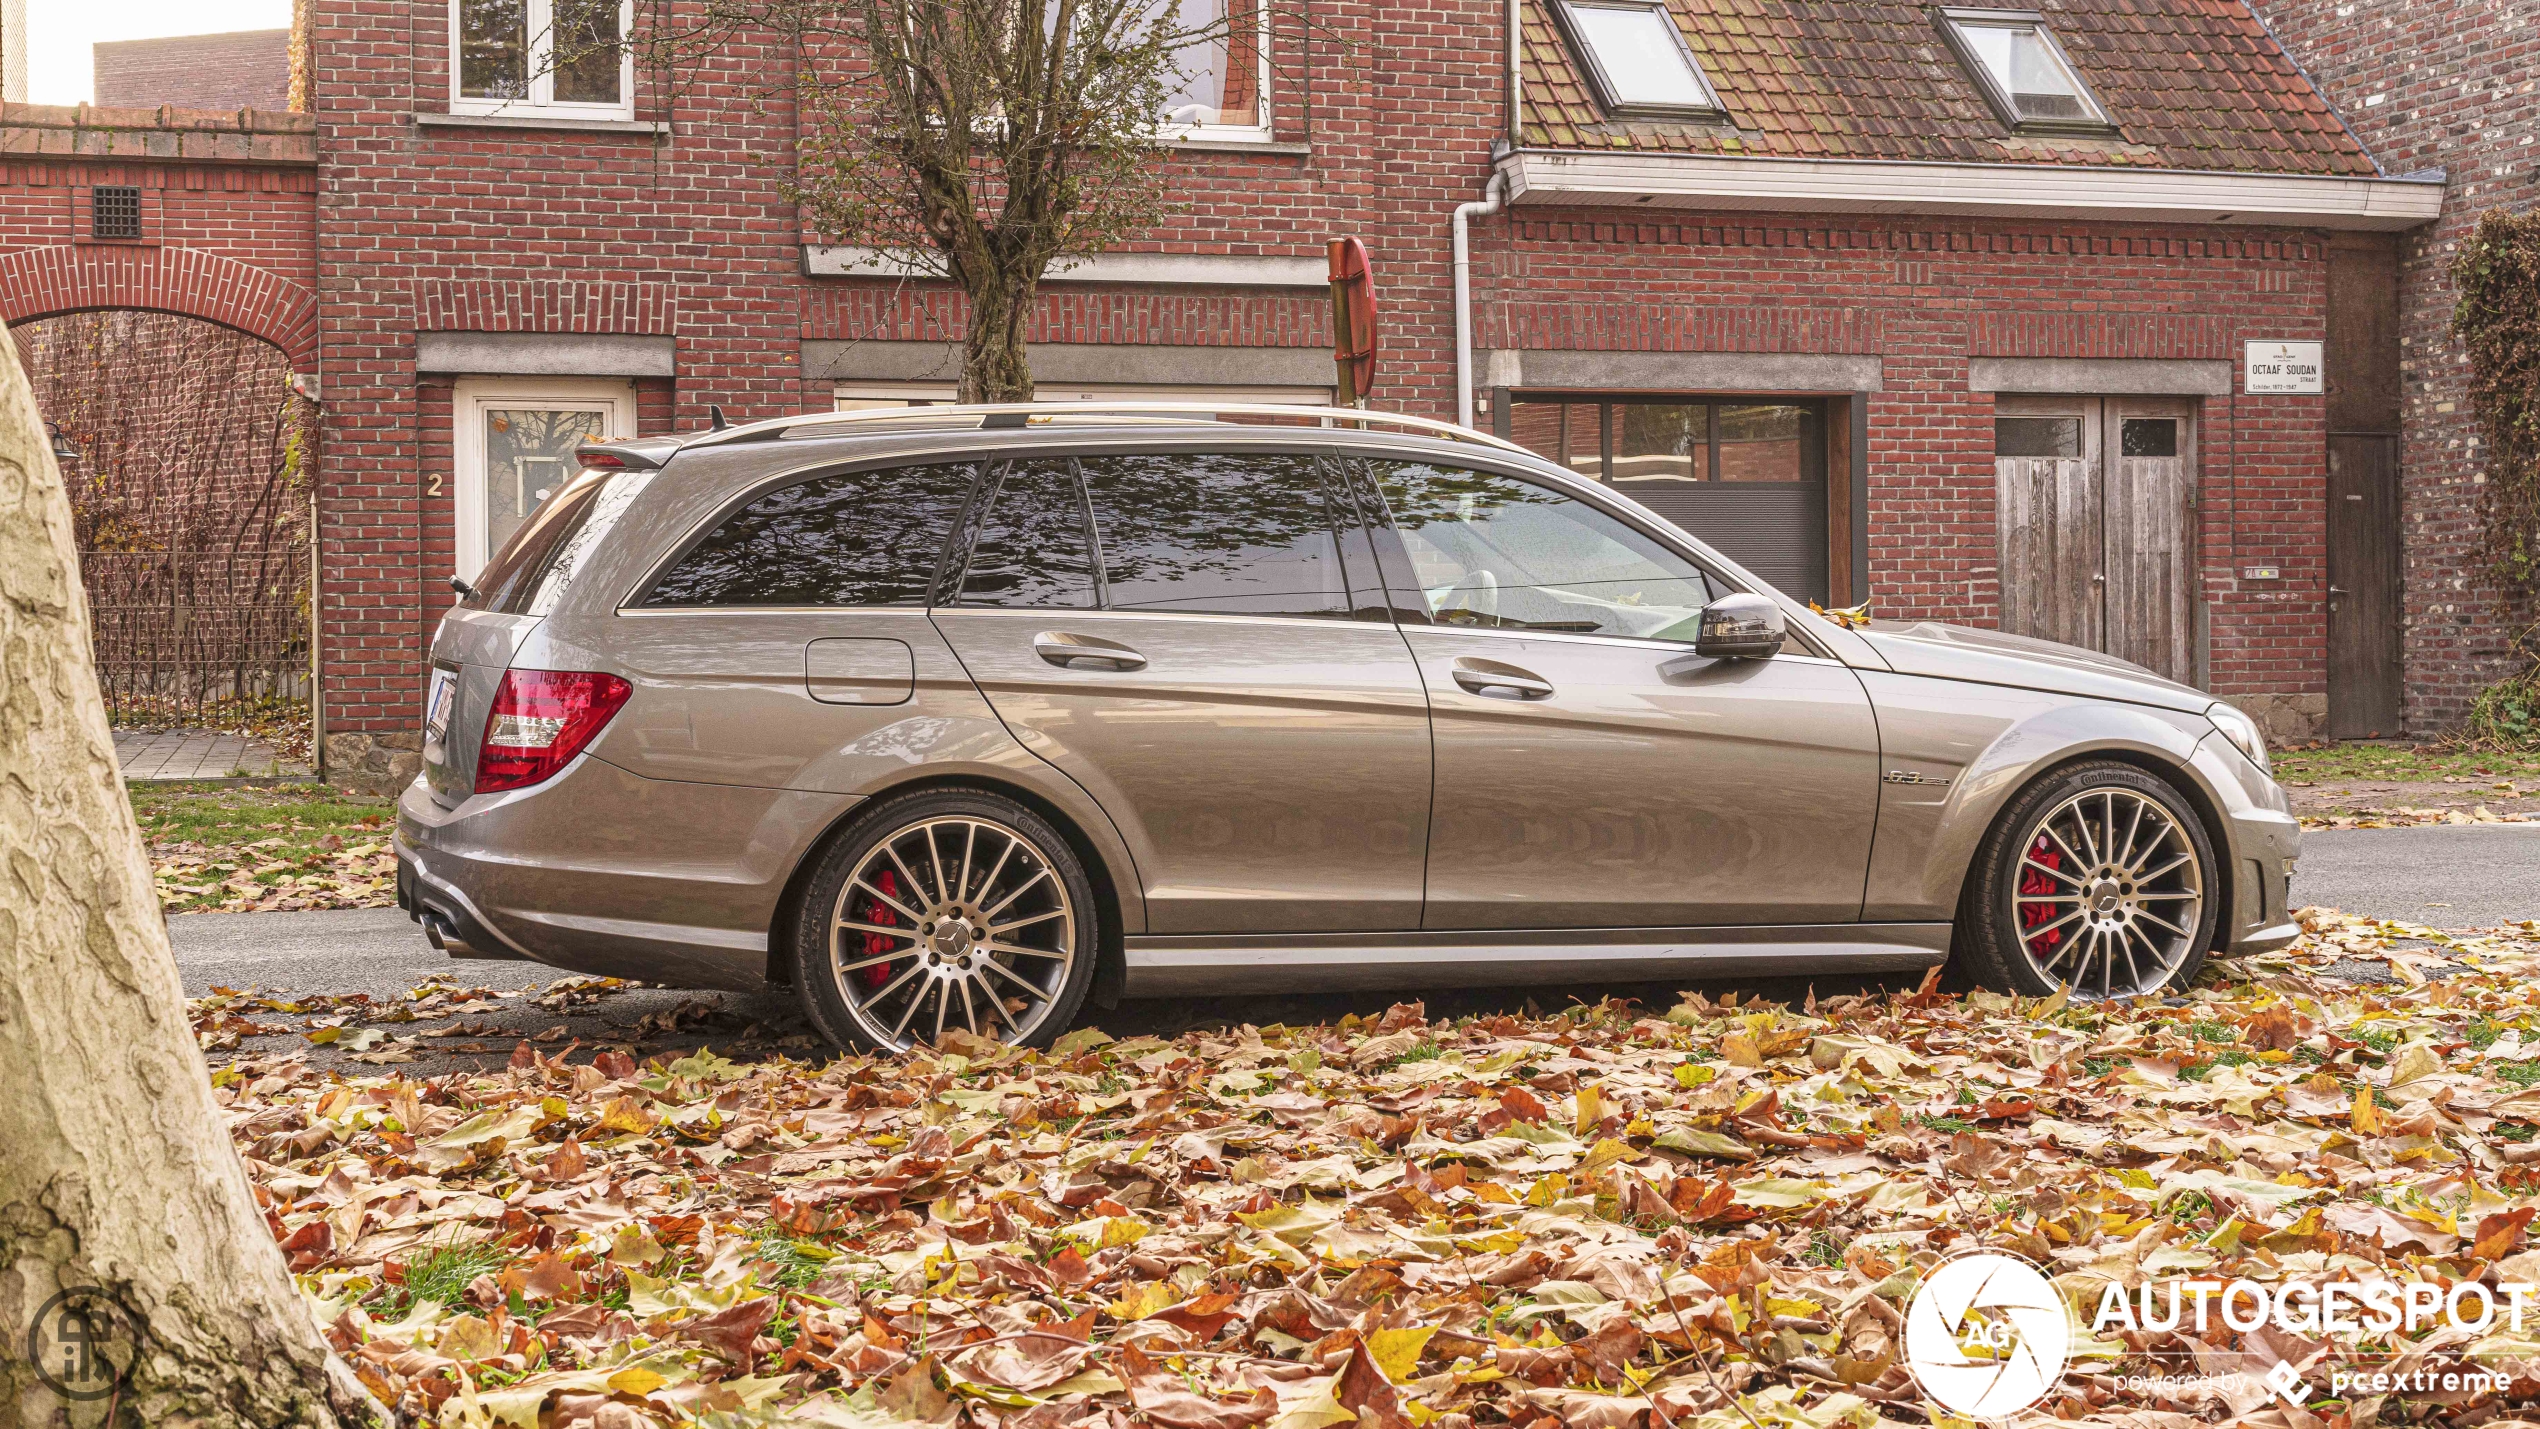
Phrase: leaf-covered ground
x=1707 y=1215
x=2347 y=786
x=265 y=849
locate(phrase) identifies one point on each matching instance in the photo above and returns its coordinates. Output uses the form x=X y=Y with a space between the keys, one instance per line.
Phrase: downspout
x=1494 y=198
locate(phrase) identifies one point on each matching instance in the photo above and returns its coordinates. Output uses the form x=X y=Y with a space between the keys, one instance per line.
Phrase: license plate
x=436 y=711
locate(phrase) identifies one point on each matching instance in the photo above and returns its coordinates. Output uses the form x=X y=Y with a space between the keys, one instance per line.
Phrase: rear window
x=857 y=538
x=532 y=571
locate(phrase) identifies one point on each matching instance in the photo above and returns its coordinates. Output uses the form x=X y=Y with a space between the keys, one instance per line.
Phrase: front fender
x=1987 y=742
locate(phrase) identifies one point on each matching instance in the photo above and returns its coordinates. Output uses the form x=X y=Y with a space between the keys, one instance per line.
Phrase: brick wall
x=687 y=234
x=2436 y=84
x=1928 y=295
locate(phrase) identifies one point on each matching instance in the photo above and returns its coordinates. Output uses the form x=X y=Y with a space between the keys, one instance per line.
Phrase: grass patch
x=785 y=1261
x=442 y=1276
x=216 y=834
x=2520 y=1074
x=2399 y=764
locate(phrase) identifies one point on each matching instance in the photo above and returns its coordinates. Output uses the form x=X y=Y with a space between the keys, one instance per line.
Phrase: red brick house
x=1955 y=311
x=2434 y=86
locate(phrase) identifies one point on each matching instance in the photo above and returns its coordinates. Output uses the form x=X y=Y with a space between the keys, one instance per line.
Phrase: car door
x=1262 y=744
x=1592 y=771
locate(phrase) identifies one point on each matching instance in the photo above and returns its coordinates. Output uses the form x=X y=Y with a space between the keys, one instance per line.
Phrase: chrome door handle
x=1500 y=682
x=1065 y=650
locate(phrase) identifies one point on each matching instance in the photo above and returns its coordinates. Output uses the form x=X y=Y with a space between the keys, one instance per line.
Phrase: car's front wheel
x=946 y=910
x=2098 y=878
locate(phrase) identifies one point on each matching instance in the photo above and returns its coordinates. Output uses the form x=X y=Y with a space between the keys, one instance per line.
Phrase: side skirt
x=1200 y=966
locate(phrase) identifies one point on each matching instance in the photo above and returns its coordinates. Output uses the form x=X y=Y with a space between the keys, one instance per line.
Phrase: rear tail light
x=540 y=720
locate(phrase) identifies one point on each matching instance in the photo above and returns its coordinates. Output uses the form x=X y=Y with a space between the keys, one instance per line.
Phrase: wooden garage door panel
x=2051 y=539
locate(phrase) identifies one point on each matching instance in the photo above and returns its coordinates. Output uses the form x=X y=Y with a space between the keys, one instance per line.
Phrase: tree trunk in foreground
x=118 y=1182
x=994 y=367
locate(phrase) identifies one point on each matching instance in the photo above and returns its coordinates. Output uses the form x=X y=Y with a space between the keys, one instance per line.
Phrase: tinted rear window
x=535 y=567
x=856 y=538
x=1222 y=533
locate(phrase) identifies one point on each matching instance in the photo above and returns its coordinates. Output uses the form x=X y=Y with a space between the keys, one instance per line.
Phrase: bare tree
x=139 y=1283
x=983 y=140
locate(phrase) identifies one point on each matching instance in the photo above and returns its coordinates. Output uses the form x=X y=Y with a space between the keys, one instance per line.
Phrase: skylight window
x=2024 y=72
x=1637 y=58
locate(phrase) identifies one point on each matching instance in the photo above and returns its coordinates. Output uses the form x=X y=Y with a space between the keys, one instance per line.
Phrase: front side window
x=1217 y=533
x=1219 y=82
x=2022 y=69
x=1032 y=548
x=522 y=56
x=858 y=538
x=1494 y=552
x=1637 y=58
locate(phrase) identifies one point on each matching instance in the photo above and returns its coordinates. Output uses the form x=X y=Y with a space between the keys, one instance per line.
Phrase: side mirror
x=1740 y=627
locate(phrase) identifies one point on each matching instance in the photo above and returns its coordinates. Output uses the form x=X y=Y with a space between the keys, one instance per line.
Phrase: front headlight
x=2243 y=733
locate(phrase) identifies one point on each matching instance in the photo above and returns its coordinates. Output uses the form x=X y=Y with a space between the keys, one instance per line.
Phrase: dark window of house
x=588 y=48
x=494 y=49
x=1222 y=533
x=2149 y=436
x=2037 y=436
x=1747 y=476
x=1032 y=548
x=114 y=211
x=853 y=538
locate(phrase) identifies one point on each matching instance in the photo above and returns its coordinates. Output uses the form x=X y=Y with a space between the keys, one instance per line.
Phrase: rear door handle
x=1065 y=651
x=1493 y=680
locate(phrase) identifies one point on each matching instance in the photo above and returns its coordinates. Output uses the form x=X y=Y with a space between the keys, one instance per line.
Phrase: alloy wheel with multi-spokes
x=2110 y=896
x=954 y=919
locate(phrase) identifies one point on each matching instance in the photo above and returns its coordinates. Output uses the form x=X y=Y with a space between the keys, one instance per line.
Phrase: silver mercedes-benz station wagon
x=954 y=717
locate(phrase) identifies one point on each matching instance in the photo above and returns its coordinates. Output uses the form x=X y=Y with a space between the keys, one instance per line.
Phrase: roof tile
x=2191 y=84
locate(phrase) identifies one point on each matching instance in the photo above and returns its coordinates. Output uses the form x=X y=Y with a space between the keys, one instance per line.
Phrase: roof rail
x=1022 y=414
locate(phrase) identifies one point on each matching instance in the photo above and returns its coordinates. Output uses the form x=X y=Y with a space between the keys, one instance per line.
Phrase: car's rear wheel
x=2098 y=878
x=945 y=910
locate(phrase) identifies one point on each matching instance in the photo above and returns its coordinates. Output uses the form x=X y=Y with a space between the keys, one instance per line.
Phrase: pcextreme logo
x=1987 y=1334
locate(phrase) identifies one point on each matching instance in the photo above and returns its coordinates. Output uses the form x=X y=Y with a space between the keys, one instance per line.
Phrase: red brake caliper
x=878 y=913
x=2034 y=884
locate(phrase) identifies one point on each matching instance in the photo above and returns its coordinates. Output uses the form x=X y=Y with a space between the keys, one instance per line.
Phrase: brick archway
x=63 y=278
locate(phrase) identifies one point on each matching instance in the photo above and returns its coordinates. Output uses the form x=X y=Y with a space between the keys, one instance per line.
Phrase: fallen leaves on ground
x=1615 y=1217
x=359 y=1021
x=267 y=848
x=2407 y=816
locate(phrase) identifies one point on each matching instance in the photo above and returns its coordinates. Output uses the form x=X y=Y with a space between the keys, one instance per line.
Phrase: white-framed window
x=566 y=58
x=2024 y=73
x=1221 y=88
x=1637 y=58
x=512 y=447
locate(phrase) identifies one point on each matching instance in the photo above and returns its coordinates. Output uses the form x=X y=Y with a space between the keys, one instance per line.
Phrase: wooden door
x=2363 y=586
x=2149 y=450
x=2097 y=525
x=2051 y=518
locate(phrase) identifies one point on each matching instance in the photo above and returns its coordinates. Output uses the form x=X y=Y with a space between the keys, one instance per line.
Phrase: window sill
x=428 y=119
x=1238 y=146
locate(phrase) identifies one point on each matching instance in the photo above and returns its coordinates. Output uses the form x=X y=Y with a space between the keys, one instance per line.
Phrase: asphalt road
x=2451 y=876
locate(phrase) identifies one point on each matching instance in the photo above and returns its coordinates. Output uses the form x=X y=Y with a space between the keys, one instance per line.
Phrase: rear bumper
x=605 y=872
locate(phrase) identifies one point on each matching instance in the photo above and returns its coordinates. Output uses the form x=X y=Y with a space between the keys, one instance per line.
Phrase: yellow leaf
x=623 y=1114
x=1739 y=1050
x=1144 y=1300
x=1693 y=1074
x=2368 y=1118
x=1121 y=1230
x=1397 y=1351
x=1590 y=1102
x=636 y=1380
x=635 y=1246
x=1548 y=1190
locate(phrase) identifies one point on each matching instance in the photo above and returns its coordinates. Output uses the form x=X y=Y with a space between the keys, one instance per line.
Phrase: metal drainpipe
x=1494 y=198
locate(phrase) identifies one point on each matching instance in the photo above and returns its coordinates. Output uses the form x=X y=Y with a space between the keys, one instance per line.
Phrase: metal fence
x=182 y=638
